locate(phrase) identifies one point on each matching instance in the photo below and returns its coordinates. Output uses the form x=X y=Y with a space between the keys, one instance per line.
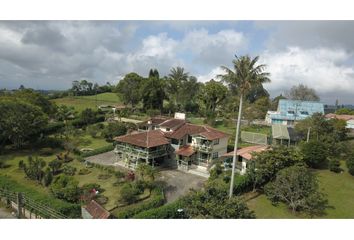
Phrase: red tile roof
x=172 y=123
x=144 y=139
x=96 y=210
x=341 y=117
x=247 y=152
x=185 y=151
x=191 y=129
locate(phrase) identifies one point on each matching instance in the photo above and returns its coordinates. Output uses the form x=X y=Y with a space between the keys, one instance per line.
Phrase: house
x=290 y=111
x=243 y=158
x=348 y=118
x=93 y=210
x=166 y=142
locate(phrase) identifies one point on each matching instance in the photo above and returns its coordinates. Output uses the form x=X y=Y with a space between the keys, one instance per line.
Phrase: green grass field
x=339 y=188
x=80 y=103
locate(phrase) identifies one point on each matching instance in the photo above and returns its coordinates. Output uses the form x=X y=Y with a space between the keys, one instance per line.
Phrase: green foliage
x=153 y=92
x=113 y=130
x=98 y=151
x=55 y=166
x=66 y=188
x=129 y=193
x=334 y=165
x=68 y=209
x=268 y=163
x=216 y=171
x=69 y=170
x=34 y=168
x=146 y=173
x=53 y=128
x=350 y=164
x=315 y=154
x=129 y=88
x=84 y=171
x=168 y=211
x=20 y=121
x=215 y=203
x=212 y=95
x=156 y=199
x=93 y=130
x=345 y=111
x=48 y=177
x=298 y=188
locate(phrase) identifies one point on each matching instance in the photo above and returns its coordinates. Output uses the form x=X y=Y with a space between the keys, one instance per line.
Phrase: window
x=189 y=139
x=168 y=129
x=216 y=141
x=174 y=141
x=304 y=113
x=291 y=112
x=215 y=155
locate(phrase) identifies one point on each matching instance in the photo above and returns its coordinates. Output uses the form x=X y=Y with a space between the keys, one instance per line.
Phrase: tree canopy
x=303 y=93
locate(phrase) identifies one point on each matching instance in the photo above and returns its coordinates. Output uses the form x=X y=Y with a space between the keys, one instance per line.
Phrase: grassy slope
x=86 y=141
x=338 y=187
x=82 y=102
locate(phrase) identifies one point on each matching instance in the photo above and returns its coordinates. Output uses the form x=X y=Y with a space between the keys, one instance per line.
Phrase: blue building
x=290 y=111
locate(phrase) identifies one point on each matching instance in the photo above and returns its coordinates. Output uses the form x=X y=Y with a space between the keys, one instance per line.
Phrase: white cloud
x=323 y=69
x=211 y=75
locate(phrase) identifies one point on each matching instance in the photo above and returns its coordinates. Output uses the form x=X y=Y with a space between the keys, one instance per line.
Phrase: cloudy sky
x=52 y=54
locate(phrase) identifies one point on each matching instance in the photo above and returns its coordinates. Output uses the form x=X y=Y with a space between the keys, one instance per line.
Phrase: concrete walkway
x=6 y=214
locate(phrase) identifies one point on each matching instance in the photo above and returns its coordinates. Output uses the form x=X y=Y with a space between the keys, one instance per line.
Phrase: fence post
x=19 y=205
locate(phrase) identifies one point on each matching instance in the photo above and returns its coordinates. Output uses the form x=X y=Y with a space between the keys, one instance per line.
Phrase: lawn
x=80 y=103
x=339 y=188
x=13 y=158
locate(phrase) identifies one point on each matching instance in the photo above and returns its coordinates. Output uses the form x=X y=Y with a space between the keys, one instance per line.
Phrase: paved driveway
x=6 y=213
x=179 y=183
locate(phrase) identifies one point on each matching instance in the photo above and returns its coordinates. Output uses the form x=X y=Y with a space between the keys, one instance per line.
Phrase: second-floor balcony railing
x=203 y=147
x=140 y=152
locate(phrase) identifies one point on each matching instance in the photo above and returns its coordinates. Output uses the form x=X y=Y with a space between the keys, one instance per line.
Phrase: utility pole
x=19 y=205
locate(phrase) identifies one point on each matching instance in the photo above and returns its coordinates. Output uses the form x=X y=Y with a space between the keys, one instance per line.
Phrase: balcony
x=203 y=148
x=143 y=153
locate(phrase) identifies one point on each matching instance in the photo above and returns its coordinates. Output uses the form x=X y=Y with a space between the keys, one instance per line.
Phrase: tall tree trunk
x=235 y=147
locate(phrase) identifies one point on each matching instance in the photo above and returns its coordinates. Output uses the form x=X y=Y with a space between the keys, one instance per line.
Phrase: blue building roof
x=296 y=110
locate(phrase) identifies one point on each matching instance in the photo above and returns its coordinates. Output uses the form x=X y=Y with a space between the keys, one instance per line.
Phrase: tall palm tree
x=177 y=77
x=245 y=76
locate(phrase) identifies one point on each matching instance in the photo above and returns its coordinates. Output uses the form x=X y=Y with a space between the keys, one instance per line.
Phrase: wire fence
x=24 y=202
x=256 y=138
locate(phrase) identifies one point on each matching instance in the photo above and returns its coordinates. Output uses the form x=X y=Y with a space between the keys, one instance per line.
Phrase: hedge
x=156 y=200
x=167 y=211
x=98 y=151
x=68 y=209
x=53 y=128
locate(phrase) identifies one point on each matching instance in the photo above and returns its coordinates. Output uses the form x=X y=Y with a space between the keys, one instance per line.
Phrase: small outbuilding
x=93 y=210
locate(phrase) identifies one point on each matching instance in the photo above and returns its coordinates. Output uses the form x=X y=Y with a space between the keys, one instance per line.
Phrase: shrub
x=216 y=171
x=101 y=199
x=350 y=164
x=168 y=211
x=98 y=151
x=47 y=151
x=129 y=193
x=69 y=170
x=53 y=128
x=65 y=187
x=55 y=166
x=119 y=174
x=84 y=171
x=113 y=130
x=334 y=165
x=156 y=199
x=47 y=178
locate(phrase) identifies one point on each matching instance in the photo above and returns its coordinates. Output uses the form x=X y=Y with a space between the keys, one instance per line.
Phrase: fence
x=256 y=138
x=26 y=207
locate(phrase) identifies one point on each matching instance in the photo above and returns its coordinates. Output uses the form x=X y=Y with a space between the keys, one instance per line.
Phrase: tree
x=275 y=102
x=212 y=95
x=268 y=163
x=350 y=164
x=129 y=88
x=88 y=116
x=153 y=91
x=19 y=121
x=34 y=168
x=334 y=165
x=315 y=153
x=129 y=193
x=65 y=187
x=147 y=174
x=302 y=93
x=214 y=203
x=64 y=114
x=345 y=111
x=246 y=75
x=55 y=166
x=113 y=130
x=175 y=82
x=298 y=188
x=69 y=170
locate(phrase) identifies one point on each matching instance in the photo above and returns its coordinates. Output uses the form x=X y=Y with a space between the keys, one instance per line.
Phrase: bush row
x=53 y=128
x=79 y=123
x=156 y=199
x=167 y=211
x=98 y=151
x=68 y=209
